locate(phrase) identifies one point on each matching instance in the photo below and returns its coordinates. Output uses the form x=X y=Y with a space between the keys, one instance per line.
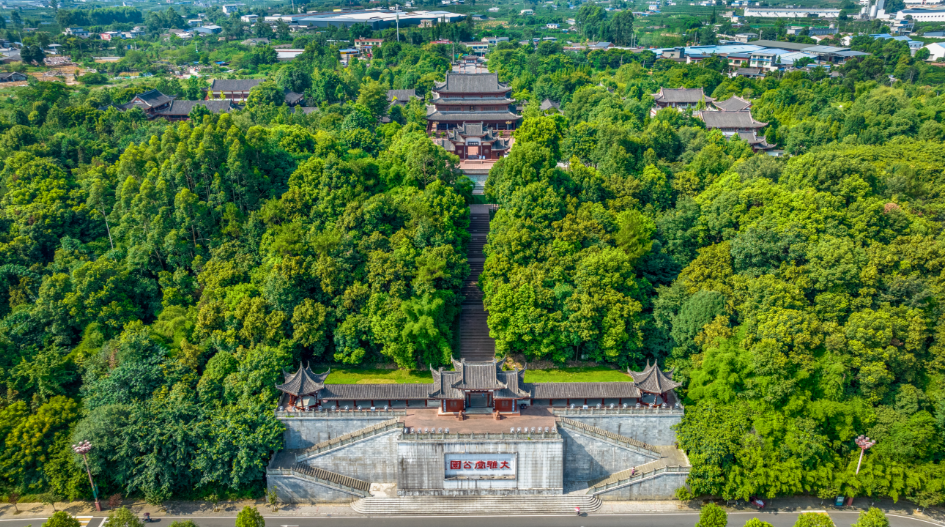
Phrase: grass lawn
x=379 y=377
x=598 y=374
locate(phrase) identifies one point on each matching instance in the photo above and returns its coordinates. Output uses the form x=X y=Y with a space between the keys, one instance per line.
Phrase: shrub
x=712 y=516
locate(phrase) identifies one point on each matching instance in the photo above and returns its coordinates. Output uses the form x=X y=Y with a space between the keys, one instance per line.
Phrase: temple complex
x=476 y=387
x=473 y=113
x=478 y=431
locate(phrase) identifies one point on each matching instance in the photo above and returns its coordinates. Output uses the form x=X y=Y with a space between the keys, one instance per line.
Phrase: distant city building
x=255 y=42
x=922 y=15
x=771 y=12
x=936 y=51
x=366 y=44
x=211 y=29
x=229 y=9
x=13 y=77
x=76 y=32
x=249 y=18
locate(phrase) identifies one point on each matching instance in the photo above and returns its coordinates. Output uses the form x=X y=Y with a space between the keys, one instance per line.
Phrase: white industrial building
x=936 y=51
x=922 y=15
x=800 y=12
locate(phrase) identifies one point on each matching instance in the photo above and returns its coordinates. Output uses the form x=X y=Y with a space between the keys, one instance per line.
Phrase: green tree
x=122 y=517
x=711 y=515
x=265 y=93
x=872 y=517
x=61 y=519
x=250 y=517
x=813 y=519
x=373 y=96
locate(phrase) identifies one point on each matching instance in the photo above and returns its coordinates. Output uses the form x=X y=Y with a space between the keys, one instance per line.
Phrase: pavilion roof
x=302 y=382
x=654 y=380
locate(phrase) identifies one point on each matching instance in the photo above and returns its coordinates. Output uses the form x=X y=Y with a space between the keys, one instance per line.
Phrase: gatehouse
x=478 y=431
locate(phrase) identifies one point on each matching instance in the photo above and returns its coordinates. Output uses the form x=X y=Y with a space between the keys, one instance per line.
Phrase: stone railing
x=343 y=414
x=577 y=411
x=617 y=482
x=490 y=436
x=593 y=431
x=351 y=437
x=327 y=478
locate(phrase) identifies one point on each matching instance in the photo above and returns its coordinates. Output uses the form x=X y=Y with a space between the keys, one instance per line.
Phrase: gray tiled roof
x=653 y=380
x=402 y=96
x=749 y=72
x=13 y=76
x=548 y=104
x=583 y=390
x=730 y=120
x=470 y=83
x=735 y=104
x=303 y=381
x=473 y=116
x=234 y=85
x=681 y=95
x=446 y=144
x=478 y=100
x=472 y=129
x=179 y=108
x=375 y=391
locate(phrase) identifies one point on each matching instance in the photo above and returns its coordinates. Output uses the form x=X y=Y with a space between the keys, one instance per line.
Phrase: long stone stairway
x=475 y=342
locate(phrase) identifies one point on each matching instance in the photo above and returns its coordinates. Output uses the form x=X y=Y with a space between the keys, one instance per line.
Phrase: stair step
x=474 y=340
x=519 y=505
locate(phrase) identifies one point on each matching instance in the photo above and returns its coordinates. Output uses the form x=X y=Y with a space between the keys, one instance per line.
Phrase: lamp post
x=83 y=449
x=864 y=443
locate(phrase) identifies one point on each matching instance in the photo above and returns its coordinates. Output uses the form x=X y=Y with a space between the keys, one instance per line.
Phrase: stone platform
x=532 y=417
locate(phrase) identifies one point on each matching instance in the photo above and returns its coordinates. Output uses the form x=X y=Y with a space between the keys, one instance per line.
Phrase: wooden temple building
x=474 y=113
x=477 y=387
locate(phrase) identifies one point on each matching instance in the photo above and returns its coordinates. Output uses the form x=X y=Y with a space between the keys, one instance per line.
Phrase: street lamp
x=83 y=449
x=864 y=443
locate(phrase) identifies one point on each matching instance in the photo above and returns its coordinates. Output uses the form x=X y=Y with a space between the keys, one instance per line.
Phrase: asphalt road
x=735 y=519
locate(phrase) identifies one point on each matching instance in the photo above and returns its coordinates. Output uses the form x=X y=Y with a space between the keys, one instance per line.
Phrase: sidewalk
x=229 y=509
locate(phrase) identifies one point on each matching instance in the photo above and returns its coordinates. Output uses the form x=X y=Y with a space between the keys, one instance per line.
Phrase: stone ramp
x=629 y=443
x=361 y=434
x=471 y=506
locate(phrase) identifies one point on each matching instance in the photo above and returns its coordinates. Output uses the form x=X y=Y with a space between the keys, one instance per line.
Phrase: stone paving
x=531 y=417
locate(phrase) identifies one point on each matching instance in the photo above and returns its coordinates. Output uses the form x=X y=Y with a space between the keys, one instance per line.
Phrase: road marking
x=83 y=520
x=103 y=522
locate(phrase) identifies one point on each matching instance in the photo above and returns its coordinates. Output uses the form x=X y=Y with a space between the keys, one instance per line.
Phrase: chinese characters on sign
x=486 y=465
x=478 y=465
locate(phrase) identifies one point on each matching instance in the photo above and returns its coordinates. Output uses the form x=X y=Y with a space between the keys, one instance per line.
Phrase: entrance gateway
x=478 y=430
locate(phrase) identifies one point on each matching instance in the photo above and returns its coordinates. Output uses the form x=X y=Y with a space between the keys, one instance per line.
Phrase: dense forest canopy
x=157 y=277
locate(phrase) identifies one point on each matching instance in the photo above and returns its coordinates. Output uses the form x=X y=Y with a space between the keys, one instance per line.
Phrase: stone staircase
x=672 y=460
x=629 y=443
x=361 y=434
x=327 y=478
x=492 y=505
x=475 y=342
